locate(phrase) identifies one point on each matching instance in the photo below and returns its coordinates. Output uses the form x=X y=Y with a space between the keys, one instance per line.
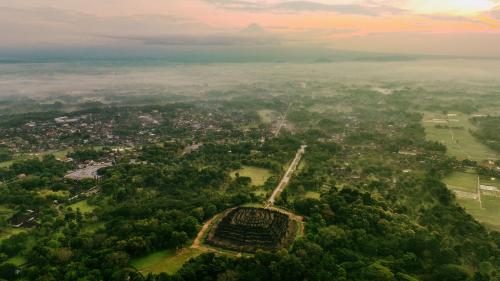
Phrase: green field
x=6 y=211
x=47 y=192
x=258 y=176
x=164 y=261
x=266 y=115
x=58 y=154
x=83 y=206
x=9 y=231
x=459 y=142
x=17 y=260
x=489 y=214
x=462 y=181
x=312 y=195
x=321 y=108
x=91 y=228
x=6 y=164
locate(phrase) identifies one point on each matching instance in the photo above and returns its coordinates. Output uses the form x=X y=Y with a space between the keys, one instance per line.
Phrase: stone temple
x=247 y=229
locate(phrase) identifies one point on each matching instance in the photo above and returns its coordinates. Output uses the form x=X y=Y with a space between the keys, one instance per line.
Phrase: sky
x=454 y=27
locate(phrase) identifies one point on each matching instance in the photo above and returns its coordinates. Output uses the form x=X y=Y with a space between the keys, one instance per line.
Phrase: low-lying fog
x=41 y=79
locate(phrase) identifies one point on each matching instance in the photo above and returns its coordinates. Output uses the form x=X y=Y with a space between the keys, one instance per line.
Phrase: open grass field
x=91 y=228
x=262 y=193
x=491 y=181
x=17 y=260
x=321 y=108
x=312 y=195
x=47 y=192
x=9 y=231
x=6 y=212
x=58 y=154
x=83 y=206
x=462 y=181
x=259 y=176
x=457 y=138
x=266 y=115
x=164 y=261
x=489 y=214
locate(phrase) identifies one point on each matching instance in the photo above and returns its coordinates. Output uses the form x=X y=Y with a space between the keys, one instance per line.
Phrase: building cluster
x=89 y=129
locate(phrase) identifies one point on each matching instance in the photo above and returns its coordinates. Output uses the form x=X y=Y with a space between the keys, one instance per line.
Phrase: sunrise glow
x=466 y=7
x=339 y=23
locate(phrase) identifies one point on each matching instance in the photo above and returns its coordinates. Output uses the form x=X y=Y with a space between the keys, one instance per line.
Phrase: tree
x=378 y=272
x=178 y=239
x=8 y=271
x=451 y=272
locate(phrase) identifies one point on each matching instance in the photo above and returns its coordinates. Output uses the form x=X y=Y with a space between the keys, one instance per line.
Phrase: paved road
x=283 y=120
x=286 y=178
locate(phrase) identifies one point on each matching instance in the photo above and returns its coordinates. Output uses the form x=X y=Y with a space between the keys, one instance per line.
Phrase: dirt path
x=197 y=241
x=286 y=178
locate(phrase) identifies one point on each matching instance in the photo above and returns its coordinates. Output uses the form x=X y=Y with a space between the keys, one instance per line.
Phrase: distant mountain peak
x=253 y=29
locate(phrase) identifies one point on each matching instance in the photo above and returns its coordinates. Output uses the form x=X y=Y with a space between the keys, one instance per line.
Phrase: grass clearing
x=83 y=206
x=489 y=214
x=457 y=138
x=91 y=228
x=254 y=205
x=6 y=212
x=7 y=232
x=6 y=164
x=261 y=193
x=266 y=115
x=20 y=157
x=48 y=192
x=258 y=176
x=312 y=195
x=17 y=260
x=322 y=108
x=164 y=261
